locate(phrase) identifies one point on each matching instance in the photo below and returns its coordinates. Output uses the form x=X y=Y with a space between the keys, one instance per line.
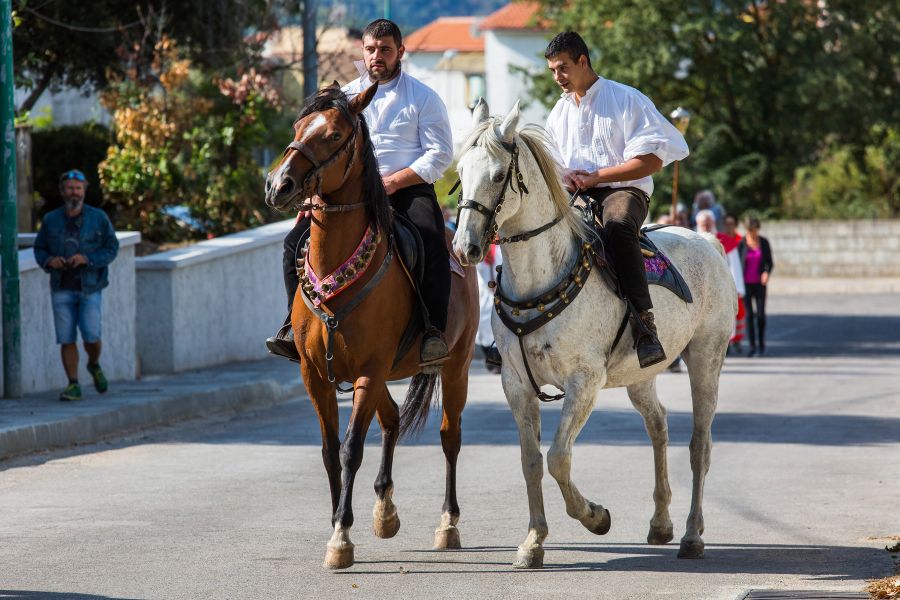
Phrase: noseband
x=490 y=230
x=316 y=172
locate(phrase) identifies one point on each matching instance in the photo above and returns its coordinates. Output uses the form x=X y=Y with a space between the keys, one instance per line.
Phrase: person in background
x=756 y=260
x=484 y=339
x=730 y=239
x=75 y=245
x=706 y=200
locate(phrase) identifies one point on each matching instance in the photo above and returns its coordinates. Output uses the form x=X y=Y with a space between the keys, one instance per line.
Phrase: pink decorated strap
x=326 y=288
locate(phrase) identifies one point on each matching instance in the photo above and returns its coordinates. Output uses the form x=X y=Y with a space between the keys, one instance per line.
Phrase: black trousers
x=622 y=212
x=755 y=301
x=419 y=204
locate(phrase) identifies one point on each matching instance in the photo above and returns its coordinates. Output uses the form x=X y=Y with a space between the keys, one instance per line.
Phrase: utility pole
x=387 y=9
x=310 y=56
x=9 y=252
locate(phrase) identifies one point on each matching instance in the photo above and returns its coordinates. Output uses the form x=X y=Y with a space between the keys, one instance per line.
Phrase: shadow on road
x=823 y=335
x=822 y=563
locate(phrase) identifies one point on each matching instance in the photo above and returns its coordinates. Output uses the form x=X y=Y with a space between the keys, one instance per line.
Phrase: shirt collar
x=589 y=94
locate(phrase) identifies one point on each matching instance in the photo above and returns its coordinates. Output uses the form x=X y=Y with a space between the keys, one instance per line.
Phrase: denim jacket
x=98 y=244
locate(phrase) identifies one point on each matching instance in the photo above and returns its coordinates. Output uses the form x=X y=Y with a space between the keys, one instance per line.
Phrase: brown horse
x=330 y=168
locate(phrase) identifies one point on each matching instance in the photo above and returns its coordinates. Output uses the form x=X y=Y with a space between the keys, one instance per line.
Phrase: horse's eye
x=335 y=136
x=497 y=177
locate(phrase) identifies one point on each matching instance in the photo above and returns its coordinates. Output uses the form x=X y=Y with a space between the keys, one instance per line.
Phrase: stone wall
x=835 y=248
x=211 y=303
x=41 y=365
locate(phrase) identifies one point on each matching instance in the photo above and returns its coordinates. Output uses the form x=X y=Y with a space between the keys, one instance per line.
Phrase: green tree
x=80 y=43
x=769 y=83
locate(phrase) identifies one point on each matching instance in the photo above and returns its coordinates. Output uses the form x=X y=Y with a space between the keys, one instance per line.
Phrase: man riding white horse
x=610 y=139
x=411 y=134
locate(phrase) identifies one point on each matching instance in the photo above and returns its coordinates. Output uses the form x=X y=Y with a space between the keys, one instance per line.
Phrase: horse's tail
x=414 y=413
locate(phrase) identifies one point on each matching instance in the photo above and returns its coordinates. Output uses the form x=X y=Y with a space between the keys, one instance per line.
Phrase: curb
x=120 y=420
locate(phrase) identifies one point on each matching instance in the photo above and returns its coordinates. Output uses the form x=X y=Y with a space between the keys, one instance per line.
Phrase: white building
x=448 y=56
x=514 y=39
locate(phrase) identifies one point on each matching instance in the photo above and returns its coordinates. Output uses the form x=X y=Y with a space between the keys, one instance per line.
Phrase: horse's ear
x=335 y=84
x=507 y=129
x=480 y=112
x=361 y=101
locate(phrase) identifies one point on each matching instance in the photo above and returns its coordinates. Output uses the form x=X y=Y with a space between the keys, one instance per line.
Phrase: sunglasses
x=73 y=174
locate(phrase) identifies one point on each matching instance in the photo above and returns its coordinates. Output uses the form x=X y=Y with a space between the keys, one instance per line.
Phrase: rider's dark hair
x=380 y=28
x=569 y=42
x=379 y=206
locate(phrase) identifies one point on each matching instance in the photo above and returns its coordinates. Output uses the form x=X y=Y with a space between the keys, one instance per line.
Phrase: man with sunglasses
x=75 y=245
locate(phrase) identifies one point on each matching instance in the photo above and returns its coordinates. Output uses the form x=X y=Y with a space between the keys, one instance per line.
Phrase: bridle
x=316 y=172
x=490 y=230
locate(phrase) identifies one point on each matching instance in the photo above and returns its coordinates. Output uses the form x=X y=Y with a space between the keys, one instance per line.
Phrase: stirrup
x=282 y=344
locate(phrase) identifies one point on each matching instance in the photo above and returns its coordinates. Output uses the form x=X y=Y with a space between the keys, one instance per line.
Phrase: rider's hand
x=390 y=184
x=569 y=181
x=585 y=180
x=57 y=262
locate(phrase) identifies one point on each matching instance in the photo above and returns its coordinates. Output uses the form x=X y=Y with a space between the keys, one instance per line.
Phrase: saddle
x=658 y=269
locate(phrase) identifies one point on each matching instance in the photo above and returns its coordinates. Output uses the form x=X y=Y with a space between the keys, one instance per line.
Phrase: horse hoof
x=386 y=528
x=447 y=539
x=660 y=536
x=691 y=549
x=600 y=520
x=529 y=558
x=339 y=557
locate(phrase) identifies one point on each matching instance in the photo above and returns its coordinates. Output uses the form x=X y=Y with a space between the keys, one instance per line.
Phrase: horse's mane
x=379 y=206
x=537 y=142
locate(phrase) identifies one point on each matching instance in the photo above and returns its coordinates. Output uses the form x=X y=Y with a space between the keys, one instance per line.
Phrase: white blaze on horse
x=574 y=349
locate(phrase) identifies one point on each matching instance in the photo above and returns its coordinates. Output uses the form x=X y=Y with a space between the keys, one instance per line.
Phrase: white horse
x=574 y=351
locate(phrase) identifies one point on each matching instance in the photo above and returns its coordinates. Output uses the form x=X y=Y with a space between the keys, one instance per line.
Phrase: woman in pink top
x=756 y=259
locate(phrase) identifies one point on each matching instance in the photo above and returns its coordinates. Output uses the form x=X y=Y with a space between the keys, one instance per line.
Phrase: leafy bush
x=848 y=183
x=55 y=150
x=186 y=139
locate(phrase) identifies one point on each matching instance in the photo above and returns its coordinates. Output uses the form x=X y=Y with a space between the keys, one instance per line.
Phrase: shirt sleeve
x=648 y=132
x=435 y=138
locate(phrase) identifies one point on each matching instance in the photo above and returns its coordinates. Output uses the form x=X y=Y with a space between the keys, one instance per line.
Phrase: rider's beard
x=387 y=75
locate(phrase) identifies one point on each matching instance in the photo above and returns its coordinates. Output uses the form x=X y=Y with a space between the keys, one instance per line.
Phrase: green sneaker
x=72 y=392
x=99 y=378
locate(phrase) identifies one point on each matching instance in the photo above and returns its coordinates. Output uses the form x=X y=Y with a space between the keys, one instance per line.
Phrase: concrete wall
x=41 y=366
x=834 y=248
x=503 y=49
x=211 y=303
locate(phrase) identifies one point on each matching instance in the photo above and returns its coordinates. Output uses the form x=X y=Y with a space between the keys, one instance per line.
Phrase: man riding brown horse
x=411 y=134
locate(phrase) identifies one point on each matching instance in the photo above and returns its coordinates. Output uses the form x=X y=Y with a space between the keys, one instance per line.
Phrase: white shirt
x=612 y=124
x=409 y=126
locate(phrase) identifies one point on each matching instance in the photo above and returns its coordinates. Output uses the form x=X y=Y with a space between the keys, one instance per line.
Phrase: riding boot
x=649 y=349
x=434 y=348
x=282 y=343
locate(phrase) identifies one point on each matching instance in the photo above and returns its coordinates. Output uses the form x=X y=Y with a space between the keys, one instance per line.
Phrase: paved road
x=803 y=483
